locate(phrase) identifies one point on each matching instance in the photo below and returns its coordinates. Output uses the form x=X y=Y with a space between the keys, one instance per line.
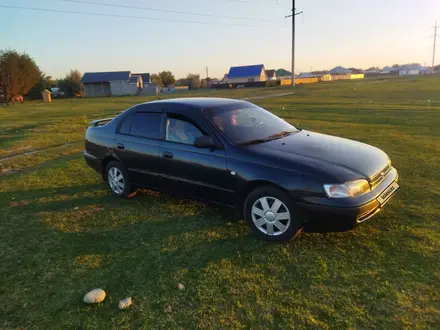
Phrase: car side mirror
x=204 y=141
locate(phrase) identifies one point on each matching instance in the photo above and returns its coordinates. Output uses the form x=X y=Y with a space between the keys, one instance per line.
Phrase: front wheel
x=271 y=214
x=117 y=179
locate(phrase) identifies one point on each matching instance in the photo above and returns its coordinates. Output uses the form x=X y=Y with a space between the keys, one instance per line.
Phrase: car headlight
x=348 y=189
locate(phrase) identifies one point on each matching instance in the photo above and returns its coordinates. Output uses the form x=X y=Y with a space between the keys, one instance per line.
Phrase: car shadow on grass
x=97 y=223
x=66 y=252
x=144 y=246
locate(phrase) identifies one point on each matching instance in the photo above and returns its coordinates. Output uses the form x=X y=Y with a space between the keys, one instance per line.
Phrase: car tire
x=270 y=213
x=117 y=180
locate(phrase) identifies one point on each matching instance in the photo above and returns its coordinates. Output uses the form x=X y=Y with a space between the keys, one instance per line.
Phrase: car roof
x=199 y=102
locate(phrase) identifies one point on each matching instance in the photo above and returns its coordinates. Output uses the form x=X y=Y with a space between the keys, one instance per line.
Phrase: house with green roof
x=283 y=74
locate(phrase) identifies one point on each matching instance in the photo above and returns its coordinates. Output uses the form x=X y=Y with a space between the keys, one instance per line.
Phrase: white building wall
x=409 y=72
x=120 y=88
x=96 y=89
x=242 y=79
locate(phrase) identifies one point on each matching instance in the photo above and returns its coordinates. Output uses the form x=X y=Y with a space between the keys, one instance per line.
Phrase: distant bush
x=71 y=84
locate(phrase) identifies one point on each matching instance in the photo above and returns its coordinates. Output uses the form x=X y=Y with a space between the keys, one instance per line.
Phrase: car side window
x=181 y=131
x=125 y=125
x=146 y=124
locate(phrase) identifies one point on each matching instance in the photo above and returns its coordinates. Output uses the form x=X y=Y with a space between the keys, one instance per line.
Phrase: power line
x=242 y=1
x=163 y=10
x=120 y=16
x=249 y=1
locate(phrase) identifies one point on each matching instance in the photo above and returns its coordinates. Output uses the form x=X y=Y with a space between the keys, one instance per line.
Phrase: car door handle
x=121 y=146
x=167 y=154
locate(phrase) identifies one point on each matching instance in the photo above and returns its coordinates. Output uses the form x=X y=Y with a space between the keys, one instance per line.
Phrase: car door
x=137 y=144
x=191 y=171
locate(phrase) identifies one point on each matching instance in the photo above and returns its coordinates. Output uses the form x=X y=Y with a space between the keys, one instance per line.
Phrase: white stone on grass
x=168 y=309
x=95 y=296
x=125 y=303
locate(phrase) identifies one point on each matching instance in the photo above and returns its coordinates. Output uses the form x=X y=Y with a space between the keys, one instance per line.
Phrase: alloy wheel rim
x=116 y=180
x=270 y=215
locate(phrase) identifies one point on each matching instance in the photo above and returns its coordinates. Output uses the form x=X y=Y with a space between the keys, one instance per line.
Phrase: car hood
x=356 y=157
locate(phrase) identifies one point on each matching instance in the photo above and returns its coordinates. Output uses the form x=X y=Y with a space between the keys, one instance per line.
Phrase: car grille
x=380 y=176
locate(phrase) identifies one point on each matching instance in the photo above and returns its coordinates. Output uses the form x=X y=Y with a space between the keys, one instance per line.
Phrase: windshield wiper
x=280 y=134
x=269 y=138
x=256 y=141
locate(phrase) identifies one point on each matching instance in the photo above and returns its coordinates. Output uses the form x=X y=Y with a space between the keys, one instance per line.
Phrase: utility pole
x=293 y=39
x=433 y=50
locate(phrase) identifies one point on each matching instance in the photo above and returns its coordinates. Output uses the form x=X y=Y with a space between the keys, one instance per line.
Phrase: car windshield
x=248 y=125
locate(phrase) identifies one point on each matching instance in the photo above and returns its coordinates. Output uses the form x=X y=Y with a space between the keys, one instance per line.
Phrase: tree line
x=192 y=80
x=20 y=75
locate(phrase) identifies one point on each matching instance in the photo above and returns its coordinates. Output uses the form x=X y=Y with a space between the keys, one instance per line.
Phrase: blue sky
x=359 y=33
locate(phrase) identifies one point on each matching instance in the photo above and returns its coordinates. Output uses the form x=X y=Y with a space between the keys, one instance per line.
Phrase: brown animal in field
x=17 y=98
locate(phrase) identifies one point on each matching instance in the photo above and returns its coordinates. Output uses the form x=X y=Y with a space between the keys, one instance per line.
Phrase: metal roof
x=283 y=72
x=245 y=71
x=339 y=69
x=323 y=72
x=304 y=75
x=133 y=79
x=270 y=73
x=411 y=67
x=99 y=77
x=145 y=77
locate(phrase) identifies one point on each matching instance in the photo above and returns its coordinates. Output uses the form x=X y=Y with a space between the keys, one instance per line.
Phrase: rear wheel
x=117 y=179
x=271 y=214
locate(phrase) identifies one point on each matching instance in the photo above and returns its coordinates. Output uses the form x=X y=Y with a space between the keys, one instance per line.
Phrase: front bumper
x=332 y=215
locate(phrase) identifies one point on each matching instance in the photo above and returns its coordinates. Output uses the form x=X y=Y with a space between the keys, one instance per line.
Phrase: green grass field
x=63 y=234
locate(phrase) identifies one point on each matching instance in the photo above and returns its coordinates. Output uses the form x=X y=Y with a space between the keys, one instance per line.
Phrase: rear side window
x=124 y=127
x=146 y=124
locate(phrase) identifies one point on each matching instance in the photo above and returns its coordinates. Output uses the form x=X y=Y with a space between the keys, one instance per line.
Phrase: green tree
x=205 y=82
x=71 y=84
x=18 y=73
x=45 y=82
x=193 y=80
x=75 y=76
x=51 y=81
x=182 y=82
x=155 y=79
x=166 y=78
